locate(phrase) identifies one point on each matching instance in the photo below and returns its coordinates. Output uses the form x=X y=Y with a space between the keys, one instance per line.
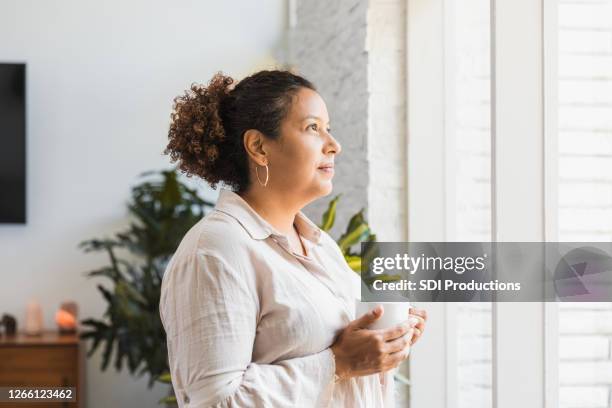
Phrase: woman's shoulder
x=212 y=255
x=215 y=234
x=215 y=244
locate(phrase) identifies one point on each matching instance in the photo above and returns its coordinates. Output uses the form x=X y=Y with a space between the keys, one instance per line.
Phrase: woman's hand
x=420 y=316
x=360 y=351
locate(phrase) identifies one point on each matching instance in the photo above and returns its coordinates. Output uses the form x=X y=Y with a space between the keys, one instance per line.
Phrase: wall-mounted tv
x=12 y=143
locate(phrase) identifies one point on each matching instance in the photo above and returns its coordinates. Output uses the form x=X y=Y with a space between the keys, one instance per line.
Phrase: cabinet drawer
x=39 y=366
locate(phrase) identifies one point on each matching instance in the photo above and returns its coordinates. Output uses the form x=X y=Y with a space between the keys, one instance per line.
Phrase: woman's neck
x=274 y=208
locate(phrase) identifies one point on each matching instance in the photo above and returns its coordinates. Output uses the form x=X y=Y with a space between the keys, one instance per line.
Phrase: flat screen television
x=12 y=144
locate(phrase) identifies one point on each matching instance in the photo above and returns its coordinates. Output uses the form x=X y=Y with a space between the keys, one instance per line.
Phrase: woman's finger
x=421 y=316
x=400 y=343
x=395 y=331
x=400 y=355
x=419 y=312
x=420 y=322
x=416 y=336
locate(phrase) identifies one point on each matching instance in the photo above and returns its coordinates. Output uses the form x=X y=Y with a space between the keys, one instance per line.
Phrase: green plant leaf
x=171 y=195
x=106 y=294
x=126 y=290
x=106 y=271
x=329 y=216
x=108 y=348
x=356 y=220
x=354 y=262
x=165 y=378
x=168 y=400
x=355 y=236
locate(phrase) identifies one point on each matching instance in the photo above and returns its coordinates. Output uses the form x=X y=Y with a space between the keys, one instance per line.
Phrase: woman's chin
x=320 y=188
x=326 y=188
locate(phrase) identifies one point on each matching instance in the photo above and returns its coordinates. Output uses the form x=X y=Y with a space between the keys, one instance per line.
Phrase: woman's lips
x=327 y=169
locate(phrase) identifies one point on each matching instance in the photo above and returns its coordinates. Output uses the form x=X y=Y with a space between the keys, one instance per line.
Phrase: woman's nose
x=333 y=145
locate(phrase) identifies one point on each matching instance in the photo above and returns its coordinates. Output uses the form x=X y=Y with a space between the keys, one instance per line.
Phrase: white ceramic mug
x=394 y=313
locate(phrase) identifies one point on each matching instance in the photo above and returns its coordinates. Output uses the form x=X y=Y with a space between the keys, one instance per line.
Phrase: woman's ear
x=254 y=145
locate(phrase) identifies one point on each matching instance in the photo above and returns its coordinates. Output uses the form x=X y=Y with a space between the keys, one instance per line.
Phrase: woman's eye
x=313 y=127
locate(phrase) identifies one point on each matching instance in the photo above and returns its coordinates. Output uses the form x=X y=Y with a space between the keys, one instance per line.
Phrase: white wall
x=387 y=122
x=100 y=81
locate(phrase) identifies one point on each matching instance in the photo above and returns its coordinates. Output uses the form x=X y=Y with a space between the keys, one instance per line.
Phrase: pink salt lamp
x=66 y=321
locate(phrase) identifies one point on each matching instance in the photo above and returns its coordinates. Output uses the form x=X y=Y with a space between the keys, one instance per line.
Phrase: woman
x=258 y=302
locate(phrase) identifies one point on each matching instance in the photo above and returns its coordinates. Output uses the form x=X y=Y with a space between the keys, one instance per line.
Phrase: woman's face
x=301 y=161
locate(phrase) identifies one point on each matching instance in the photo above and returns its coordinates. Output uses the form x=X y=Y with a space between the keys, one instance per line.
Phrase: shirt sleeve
x=210 y=314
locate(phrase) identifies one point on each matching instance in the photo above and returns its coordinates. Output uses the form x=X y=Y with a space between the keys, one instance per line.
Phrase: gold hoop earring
x=267 y=175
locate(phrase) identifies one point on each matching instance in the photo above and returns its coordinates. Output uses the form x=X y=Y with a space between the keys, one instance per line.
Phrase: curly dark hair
x=209 y=122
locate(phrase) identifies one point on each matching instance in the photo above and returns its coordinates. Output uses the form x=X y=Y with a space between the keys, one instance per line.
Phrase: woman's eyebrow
x=313 y=117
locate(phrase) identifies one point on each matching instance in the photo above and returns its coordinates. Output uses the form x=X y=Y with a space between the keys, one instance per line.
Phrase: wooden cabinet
x=49 y=360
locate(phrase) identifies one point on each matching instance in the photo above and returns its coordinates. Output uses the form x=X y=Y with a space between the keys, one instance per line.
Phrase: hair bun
x=197 y=128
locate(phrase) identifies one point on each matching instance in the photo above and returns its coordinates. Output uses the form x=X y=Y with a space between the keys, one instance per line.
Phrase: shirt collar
x=235 y=206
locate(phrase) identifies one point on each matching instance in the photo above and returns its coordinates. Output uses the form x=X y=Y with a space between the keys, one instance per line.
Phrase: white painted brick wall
x=328 y=46
x=386 y=47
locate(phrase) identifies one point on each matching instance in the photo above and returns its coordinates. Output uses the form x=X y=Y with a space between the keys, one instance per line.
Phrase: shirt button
x=186 y=399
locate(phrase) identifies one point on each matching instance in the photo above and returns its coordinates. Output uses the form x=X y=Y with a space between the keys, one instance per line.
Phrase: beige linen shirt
x=249 y=322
